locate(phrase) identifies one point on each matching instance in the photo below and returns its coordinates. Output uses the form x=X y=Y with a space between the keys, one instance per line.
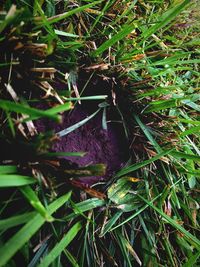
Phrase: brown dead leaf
x=88 y=190
x=101 y=66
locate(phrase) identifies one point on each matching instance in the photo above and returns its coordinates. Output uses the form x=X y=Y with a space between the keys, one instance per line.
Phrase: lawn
x=99 y=139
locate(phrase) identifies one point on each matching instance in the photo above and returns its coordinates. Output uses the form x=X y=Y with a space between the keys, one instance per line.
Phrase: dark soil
x=102 y=146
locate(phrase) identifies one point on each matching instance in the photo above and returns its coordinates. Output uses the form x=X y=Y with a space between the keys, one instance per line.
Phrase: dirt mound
x=102 y=146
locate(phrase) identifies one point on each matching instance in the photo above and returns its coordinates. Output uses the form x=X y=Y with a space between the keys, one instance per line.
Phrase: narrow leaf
x=16 y=220
x=168 y=16
x=139 y=165
x=19 y=108
x=8 y=169
x=119 y=36
x=9 y=180
x=186 y=234
x=27 y=231
x=57 y=250
x=76 y=125
x=35 y=202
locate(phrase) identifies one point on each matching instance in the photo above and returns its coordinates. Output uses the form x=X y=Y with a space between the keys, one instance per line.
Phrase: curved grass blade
x=28 y=230
x=76 y=125
x=33 y=199
x=19 y=108
x=83 y=206
x=57 y=250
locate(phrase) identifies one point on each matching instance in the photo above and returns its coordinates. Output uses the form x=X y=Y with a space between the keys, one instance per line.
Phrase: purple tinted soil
x=102 y=146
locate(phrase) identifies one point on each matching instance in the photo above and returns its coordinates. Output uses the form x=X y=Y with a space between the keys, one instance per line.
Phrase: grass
x=148 y=54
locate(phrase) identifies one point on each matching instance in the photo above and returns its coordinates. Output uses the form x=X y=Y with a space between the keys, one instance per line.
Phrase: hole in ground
x=109 y=147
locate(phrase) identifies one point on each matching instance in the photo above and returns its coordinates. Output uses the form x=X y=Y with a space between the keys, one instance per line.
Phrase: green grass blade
x=193 y=130
x=168 y=16
x=192 y=260
x=64 y=154
x=161 y=105
x=19 y=108
x=88 y=204
x=119 y=36
x=65 y=34
x=35 y=202
x=133 y=215
x=57 y=250
x=189 y=121
x=148 y=134
x=83 y=206
x=16 y=220
x=191 y=238
x=28 y=230
x=10 y=180
x=60 y=108
x=123 y=246
x=181 y=155
x=71 y=12
x=139 y=165
x=110 y=223
x=8 y=169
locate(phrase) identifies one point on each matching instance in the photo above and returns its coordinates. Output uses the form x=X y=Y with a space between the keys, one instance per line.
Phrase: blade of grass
x=35 y=202
x=181 y=155
x=122 y=244
x=16 y=107
x=82 y=259
x=84 y=206
x=64 y=154
x=65 y=15
x=10 y=180
x=142 y=164
x=133 y=215
x=168 y=16
x=192 y=260
x=191 y=238
x=95 y=97
x=193 y=130
x=66 y=34
x=57 y=250
x=76 y=125
x=60 y=108
x=110 y=223
x=16 y=220
x=36 y=259
x=148 y=134
x=28 y=230
x=8 y=169
x=119 y=36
